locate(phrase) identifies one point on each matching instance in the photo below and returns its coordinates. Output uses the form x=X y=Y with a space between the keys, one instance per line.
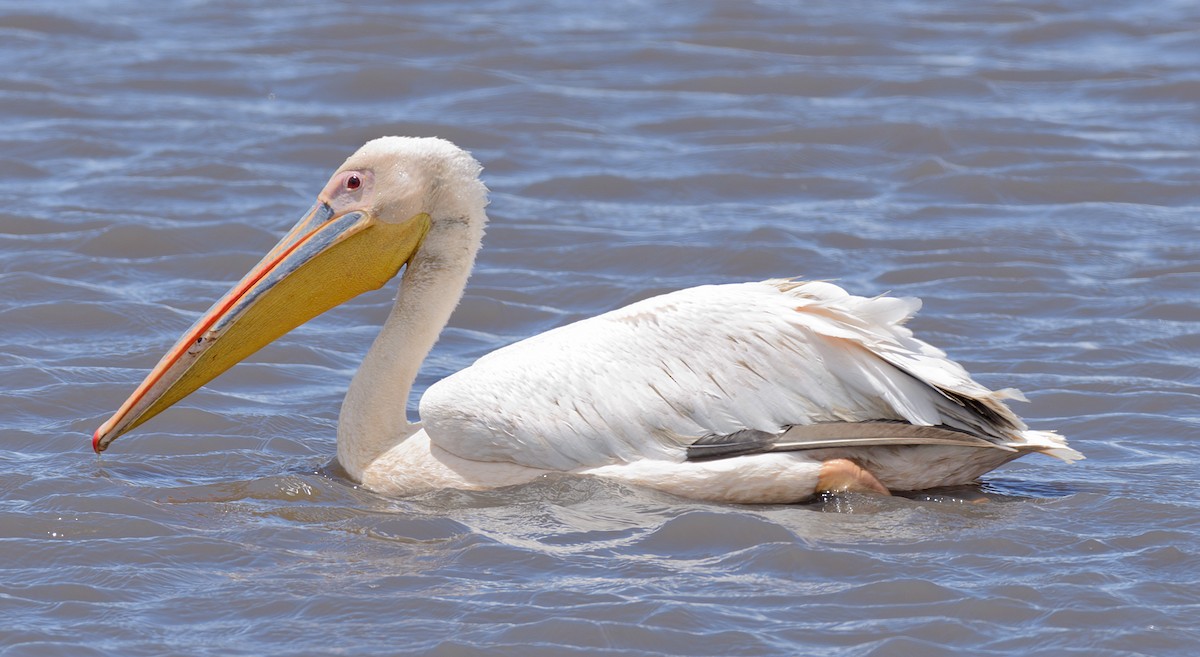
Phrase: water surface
x=1027 y=168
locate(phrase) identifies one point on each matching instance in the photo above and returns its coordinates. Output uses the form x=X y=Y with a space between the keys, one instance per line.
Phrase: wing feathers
x=833 y=434
x=717 y=371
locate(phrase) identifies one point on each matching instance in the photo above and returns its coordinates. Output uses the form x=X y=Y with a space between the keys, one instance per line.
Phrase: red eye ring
x=353 y=182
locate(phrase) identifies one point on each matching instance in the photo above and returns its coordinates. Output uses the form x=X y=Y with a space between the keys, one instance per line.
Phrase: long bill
x=323 y=261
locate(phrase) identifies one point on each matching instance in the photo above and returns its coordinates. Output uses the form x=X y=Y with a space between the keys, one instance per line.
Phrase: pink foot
x=844 y=475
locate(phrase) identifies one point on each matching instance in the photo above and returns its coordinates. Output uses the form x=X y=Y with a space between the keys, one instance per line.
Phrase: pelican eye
x=353 y=182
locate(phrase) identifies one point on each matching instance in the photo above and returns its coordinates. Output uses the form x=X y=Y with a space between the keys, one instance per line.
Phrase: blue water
x=1029 y=169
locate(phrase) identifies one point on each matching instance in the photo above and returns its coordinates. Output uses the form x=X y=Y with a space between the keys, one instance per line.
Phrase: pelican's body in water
x=771 y=391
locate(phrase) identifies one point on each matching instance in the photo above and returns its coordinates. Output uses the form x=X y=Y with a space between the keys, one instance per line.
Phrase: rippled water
x=1028 y=168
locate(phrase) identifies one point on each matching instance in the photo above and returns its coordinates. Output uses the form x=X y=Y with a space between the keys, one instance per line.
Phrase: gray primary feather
x=832 y=434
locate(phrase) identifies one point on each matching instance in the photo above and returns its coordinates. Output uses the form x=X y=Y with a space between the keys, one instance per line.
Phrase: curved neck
x=374 y=414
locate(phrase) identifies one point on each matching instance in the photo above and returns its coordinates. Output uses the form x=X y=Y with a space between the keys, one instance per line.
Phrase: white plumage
x=627 y=391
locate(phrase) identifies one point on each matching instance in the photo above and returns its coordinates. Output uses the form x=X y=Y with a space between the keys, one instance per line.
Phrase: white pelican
x=754 y=392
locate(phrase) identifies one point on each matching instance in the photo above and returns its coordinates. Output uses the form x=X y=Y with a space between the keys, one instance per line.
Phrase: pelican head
x=392 y=202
